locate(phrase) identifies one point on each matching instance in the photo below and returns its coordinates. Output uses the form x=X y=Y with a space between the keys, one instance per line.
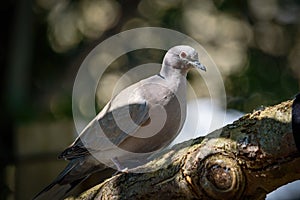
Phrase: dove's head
x=182 y=58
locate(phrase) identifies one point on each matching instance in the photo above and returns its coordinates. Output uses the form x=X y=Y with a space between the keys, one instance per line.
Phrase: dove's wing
x=123 y=115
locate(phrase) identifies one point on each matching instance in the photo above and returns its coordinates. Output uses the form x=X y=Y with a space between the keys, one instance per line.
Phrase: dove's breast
x=167 y=112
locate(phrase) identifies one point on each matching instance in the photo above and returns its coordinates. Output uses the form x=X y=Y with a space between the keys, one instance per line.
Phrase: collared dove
x=141 y=119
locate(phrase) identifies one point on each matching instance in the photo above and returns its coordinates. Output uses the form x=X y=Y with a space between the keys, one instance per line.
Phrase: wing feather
x=122 y=116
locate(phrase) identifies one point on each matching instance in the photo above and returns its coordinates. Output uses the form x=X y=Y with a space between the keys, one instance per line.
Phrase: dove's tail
x=56 y=191
x=76 y=171
x=64 y=182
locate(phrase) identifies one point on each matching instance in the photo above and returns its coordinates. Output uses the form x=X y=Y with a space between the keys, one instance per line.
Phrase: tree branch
x=244 y=160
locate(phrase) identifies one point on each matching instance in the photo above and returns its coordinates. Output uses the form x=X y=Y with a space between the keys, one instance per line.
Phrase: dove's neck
x=176 y=77
x=172 y=73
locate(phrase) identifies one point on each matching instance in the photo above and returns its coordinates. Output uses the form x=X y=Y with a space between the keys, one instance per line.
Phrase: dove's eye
x=183 y=55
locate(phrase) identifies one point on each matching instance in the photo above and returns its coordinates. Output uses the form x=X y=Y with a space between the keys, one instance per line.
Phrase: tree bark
x=243 y=160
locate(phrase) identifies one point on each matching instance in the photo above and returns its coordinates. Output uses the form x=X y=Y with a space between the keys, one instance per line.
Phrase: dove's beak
x=198 y=65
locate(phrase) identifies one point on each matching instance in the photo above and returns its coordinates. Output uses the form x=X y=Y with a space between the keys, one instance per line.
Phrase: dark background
x=255 y=44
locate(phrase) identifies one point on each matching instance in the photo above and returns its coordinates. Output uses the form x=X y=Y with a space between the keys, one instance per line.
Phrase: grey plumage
x=140 y=120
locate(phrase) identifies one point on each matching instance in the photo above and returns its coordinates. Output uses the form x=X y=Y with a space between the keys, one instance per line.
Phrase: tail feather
x=60 y=187
x=75 y=172
x=55 y=191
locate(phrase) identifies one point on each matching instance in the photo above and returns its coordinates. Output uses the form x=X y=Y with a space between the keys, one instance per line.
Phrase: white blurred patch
x=289 y=192
x=200 y=119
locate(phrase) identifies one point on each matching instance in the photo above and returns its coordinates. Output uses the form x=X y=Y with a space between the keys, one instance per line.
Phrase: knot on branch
x=219 y=177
